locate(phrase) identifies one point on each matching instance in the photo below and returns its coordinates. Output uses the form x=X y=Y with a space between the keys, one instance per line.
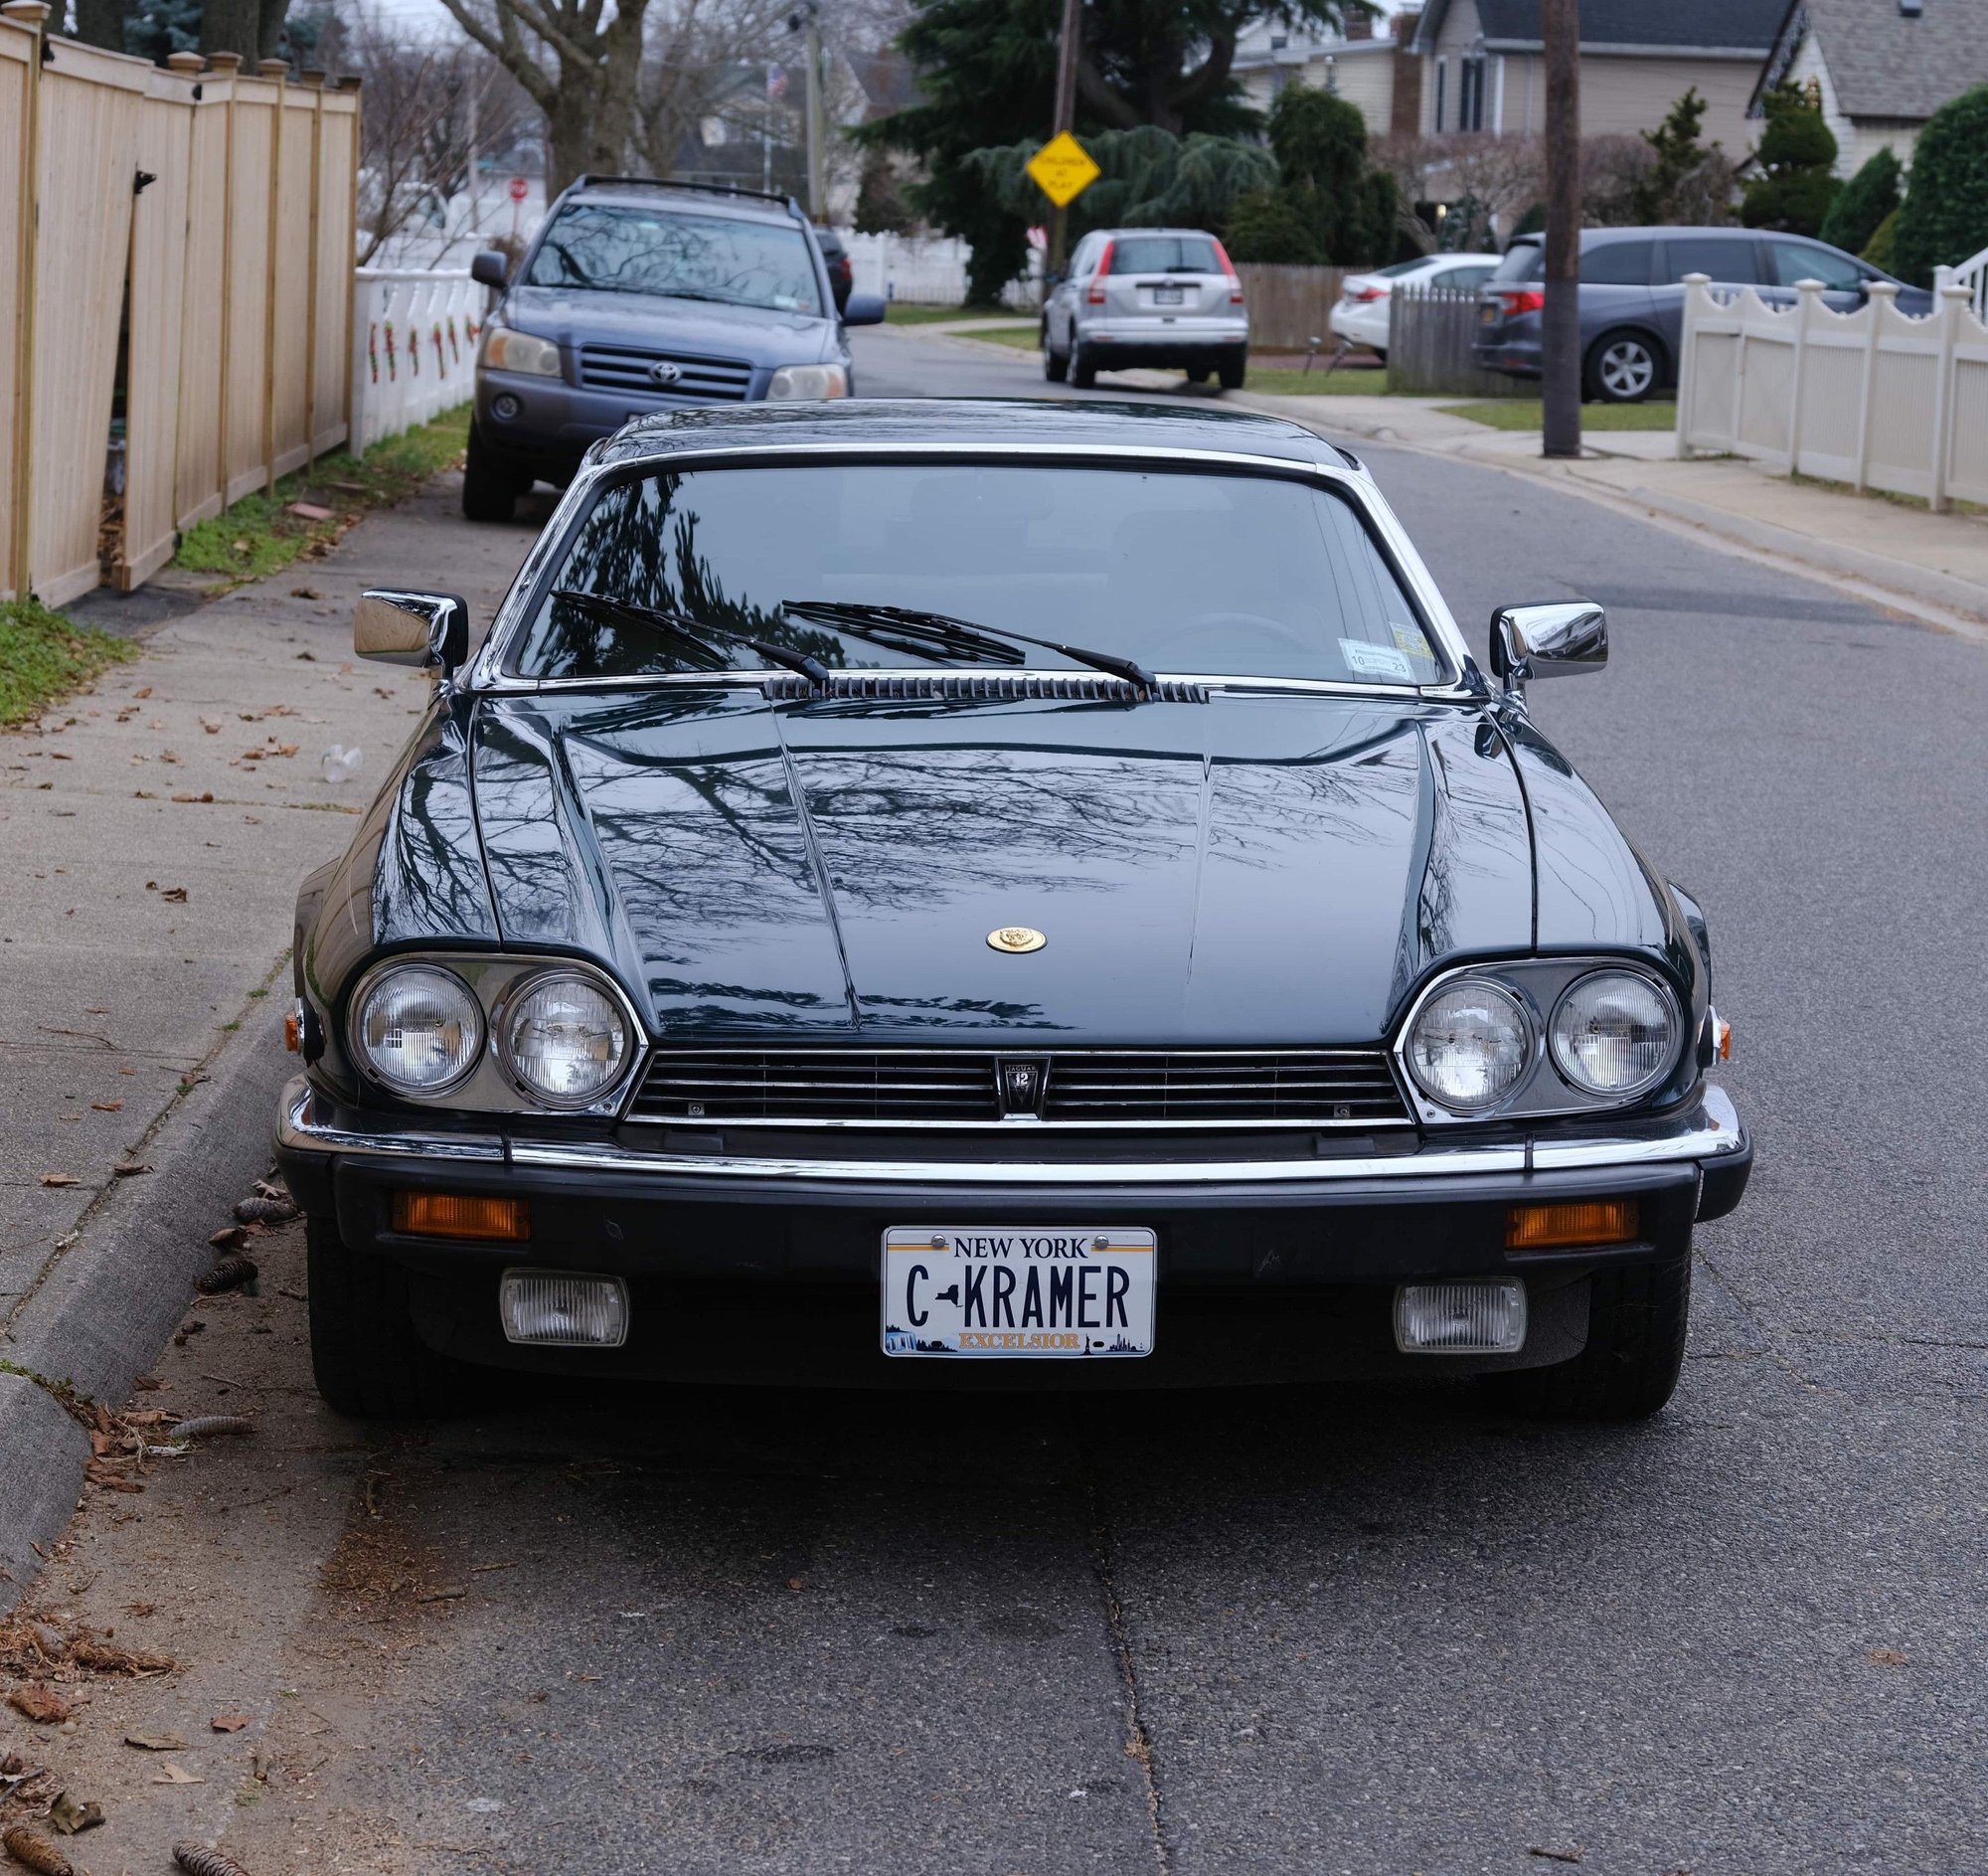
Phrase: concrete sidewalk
x=153 y=833
x=1932 y=566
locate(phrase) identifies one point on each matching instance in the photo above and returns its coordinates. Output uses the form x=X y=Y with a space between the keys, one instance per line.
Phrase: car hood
x=1254 y=870
x=656 y=322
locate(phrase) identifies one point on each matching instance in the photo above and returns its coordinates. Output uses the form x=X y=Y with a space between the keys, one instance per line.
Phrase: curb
x=107 y=1304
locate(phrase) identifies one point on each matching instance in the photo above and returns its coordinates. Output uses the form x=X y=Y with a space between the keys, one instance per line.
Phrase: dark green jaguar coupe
x=994 y=894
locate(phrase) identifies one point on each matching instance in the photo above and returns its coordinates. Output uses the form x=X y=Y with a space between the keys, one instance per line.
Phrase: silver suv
x=1147 y=297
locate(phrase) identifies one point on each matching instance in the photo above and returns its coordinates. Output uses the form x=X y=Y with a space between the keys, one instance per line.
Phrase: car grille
x=1322 y=1087
x=632 y=368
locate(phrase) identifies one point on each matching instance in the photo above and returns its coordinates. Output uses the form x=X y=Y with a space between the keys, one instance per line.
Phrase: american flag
x=777 y=82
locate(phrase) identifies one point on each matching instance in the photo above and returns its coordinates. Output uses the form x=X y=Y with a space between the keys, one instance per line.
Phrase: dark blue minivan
x=1632 y=298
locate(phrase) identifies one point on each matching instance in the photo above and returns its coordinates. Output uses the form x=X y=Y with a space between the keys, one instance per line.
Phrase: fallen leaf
x=130 y=1170
x=451 y=1593
x=209 y=796
x=213 y=728
x=39 y=1702
x=228 y=1722
x=68 y=1816
x=58 y=756
x=229 y=1236
x=146 y=692
x=305 y=593
x=106 y=1107
x=1889 y=1658
x=176 y=894
x=156 y=1741
x=60 y=1178
x=171 y=1774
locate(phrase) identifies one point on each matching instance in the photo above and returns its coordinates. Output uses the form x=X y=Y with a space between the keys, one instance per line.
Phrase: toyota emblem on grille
x=1021 y=1082
x=664 y=372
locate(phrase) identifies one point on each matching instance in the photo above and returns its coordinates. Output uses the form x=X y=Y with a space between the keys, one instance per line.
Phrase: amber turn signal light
x=1560 y=1226
x=460 y=1215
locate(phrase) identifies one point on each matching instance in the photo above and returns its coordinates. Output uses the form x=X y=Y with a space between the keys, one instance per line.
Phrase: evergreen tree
x=1268 y=226
x=1882 y=251
x=1796 y=185
x=154 y=27
x=1863 y=203
x=1671 y=190
x=1943 y=219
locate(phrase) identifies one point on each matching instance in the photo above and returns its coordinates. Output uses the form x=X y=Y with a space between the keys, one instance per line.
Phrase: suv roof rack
x=590 y=180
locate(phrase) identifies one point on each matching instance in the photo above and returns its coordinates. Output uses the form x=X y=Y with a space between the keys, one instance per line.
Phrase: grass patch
x=1289 y=382
x=44 y=656
x=900 y=312
x=1895 y=498
x=1523 y=413
x=260 y=536
x=1022 y=338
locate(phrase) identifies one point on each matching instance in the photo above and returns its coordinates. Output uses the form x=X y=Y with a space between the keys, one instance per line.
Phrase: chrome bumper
x=1709 y=1132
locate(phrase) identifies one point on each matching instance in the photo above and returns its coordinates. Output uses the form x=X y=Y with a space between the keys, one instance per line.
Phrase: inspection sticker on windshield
x=1036 y=1291
x=1382 y=661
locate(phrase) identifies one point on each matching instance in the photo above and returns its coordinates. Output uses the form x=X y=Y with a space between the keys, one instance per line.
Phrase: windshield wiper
x=696 y=631
x=938 y=632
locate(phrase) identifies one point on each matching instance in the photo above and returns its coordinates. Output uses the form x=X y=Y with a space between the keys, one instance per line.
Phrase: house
x=1484 y=69
x=1378 y=74
x=1883 y=66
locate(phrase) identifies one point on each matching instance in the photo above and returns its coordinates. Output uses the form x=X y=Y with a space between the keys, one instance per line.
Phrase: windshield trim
x=494 y=667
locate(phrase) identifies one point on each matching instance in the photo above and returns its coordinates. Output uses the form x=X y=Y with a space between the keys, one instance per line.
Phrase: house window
x=1442 y=72
x=1470 y=95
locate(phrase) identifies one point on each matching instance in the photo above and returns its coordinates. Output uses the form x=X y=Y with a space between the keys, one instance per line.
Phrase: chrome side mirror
x=1556 y=640
x=430 y=629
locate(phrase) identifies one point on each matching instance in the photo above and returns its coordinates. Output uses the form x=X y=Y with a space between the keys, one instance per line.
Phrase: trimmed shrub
x=1864 y=203
x=1795 y=187
x=1944 y=217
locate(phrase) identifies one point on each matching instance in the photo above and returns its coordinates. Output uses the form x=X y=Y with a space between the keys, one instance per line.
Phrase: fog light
x=505 y=406
x=461 y=1215
x=556 y=1309
x=1555 y=1227
x=1487 y=1318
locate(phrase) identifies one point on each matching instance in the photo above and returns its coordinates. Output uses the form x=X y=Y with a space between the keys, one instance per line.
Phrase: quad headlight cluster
x=1552 y=1036
x=554 y=1036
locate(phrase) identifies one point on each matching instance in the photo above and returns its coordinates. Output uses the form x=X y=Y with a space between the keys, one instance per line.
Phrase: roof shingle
x=1886 y=64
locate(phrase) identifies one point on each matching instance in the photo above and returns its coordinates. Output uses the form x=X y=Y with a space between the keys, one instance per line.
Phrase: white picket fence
x=413 y=348
x=1871 y=398
x=926 y=271
x=1971 y=274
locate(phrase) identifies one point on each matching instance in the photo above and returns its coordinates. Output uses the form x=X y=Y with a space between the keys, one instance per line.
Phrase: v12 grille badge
x=1017 y=937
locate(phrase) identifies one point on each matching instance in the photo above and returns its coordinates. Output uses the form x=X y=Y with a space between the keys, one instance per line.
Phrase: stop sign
x=520 y=189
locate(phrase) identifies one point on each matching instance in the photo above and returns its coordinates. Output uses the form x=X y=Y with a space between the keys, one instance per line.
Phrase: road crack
x=1139 y=1742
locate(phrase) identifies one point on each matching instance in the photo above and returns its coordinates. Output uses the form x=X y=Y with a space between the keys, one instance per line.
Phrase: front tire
x=489 y=490
x=1622 y=368
x=368 y=1361
x=1636 y=1322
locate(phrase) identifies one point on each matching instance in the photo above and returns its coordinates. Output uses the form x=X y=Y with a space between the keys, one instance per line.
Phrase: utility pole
x=1561 y=321
x=1069 y=46
x=808 y=18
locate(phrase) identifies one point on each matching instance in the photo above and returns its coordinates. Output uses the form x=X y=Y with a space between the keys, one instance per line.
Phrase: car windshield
x=1164 y=253
x=1524 y=261
x=690 y=256
x=1234 y=574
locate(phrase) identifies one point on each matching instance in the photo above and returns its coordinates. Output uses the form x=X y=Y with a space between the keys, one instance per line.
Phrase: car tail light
x=1369 y=293
x=1235 y=278
x=1094 y=296
x=1523 y=299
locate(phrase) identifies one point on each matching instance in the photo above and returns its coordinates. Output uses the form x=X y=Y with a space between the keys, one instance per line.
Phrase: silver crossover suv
x=1147 y=297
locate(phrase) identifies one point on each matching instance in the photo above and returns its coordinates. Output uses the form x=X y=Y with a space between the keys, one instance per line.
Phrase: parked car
x=641 y=295
x=1360 y=313
x=1159 y=296
x=835 y=256
x=909 y=885
x=1632 y=298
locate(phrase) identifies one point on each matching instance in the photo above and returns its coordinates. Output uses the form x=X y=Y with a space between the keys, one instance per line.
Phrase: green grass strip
x=45 y=656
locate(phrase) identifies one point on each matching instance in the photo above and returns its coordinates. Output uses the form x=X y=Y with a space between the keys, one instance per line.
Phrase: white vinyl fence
x=926 y=271
x=1871 y=397
x=1973 y=276
x=414 y=356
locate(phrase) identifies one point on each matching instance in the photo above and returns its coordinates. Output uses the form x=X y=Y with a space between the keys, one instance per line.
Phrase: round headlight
x=1469 y=1045
x=565 y=1040
x=1615 y=1033
x=420 y=1030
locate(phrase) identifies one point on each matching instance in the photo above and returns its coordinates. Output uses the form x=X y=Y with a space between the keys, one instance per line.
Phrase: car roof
x=969 y=423
x=1657 y=232
x=1113 y=234
x=633 y=192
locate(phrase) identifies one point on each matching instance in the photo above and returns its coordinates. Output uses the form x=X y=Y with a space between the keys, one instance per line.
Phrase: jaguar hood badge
x=1017 y=937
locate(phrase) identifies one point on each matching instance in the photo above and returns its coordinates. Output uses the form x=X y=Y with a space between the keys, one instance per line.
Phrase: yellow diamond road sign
x=1063 y=169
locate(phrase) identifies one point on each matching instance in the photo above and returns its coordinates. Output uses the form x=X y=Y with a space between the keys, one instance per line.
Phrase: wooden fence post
x=314 y=81
x=226 y=63
x=277 y=71
x=32 y=14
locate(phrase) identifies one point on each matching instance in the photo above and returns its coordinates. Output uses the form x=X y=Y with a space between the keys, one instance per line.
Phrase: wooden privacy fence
x=413 y=348
x=1871 y=397
x=1431 y=330
x=1289 y=306
x=177 y=243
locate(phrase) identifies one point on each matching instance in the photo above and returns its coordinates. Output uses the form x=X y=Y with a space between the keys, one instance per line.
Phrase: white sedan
x=1361 y=315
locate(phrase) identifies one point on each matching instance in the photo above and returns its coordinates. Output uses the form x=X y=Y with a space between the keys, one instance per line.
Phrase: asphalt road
x=1283 y=1630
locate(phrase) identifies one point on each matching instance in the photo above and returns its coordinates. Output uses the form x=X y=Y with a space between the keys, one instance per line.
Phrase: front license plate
x=1037 y=1291
x=1167 y=297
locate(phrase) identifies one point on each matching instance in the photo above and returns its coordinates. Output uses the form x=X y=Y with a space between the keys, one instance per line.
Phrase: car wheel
x=489 y=491
x=1198 y=374
x=1056 y=365
x=1232 y=371
x=1622 y=368
x=1636 y=1320
x=1083 y=367
x=368 y=1361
